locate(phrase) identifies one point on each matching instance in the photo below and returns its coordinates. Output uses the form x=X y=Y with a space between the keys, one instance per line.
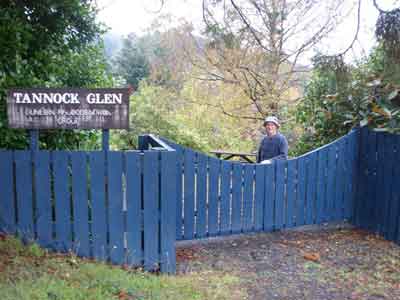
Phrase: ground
x=303 y=264
x=334 y=264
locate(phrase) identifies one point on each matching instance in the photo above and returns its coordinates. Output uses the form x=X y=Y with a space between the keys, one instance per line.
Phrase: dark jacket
x=274 y=147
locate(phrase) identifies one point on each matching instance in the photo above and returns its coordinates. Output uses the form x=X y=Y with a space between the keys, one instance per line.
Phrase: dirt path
x=334 y=264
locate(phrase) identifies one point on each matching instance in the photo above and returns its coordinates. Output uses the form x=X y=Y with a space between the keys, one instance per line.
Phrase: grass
x=29 y=272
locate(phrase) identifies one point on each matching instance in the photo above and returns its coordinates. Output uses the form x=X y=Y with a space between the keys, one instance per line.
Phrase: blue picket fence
x=217 y=197
x=130 y=207
x=109 y=205
x=377 y=202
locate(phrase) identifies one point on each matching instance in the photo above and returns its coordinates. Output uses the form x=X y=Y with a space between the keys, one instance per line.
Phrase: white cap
x=272 y=119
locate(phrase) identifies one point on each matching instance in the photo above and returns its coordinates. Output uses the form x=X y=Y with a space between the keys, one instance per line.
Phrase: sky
x=126 y=16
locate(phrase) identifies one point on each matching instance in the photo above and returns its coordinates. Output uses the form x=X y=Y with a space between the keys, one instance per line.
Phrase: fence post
x=143 y=142
x=34 y=139
x=105 y=139
x=168 y=211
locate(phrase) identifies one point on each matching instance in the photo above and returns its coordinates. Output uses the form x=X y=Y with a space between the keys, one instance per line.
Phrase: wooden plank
x=44 y=224
x=259 y=197
x=311 y=188
x=179 y=192
x=168 y=211
x=280 y=194
x=237 y=197
x=269 y=200
x=388 y=169
x=213 y=194
x=98 y=204
x=355 y=172
x=248 y=179
x=321 y=186
x=8 y=210
x=115 y=214
x=349 y=174
x=301 y=191
x=201 y=196
x=341 y=174
x=361 y=179
x=62 y=201
x=80 y=203
x=151 y=212
x=189 y=193
x=23 y=176
x=330 y=189
x=371 y=181
x=291 y=192
x=226 y=168
x=381 y=178
x=133 y=167
x=395 y=199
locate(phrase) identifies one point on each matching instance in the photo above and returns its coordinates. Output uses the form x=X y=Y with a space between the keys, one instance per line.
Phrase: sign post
x=68 y=108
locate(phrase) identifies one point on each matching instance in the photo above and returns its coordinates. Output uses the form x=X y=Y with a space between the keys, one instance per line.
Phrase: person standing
x=274 y=145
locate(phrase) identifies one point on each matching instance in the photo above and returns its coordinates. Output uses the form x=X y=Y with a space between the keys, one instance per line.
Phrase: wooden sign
x=48 y=108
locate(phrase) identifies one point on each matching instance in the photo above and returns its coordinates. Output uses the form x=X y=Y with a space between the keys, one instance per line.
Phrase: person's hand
x=266 y=162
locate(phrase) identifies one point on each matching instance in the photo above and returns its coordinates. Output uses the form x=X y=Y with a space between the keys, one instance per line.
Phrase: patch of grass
x=28 y=272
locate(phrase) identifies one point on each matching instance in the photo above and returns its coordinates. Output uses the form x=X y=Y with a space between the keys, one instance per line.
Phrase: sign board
x=50 y=108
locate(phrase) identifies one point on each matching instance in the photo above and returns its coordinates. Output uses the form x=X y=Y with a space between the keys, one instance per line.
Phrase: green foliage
x=27 y=272
x=49 y=43
x=340 y=97
x=160 y=111
x=152 y=111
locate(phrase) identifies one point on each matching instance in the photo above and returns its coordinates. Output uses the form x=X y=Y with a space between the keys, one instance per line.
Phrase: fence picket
x=201 y=195
x=8 y=209
x=248 y=178
x=98 y=204
x=321 y=186
x=331 y=184
x=189 y=200
x=311 y=188
x=225 y=197
x=168 y=211
x=259 y=197
x=213 y=195
x=269 y=200
x=179 y=192
x=340 y=180
x=280 y=194
x=348 y=165
x=237 y=197
x=62 y=201
x=134 y=181
x=151 y=212
x=395 y=197
x=115 y=200
x=371 y=181
x=381 y=178
x=23 y=178
x=301 y=192
x=291 y=192
x=80 y=203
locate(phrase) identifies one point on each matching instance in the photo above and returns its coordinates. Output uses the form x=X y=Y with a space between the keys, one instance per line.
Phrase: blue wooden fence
x=109 y=205
x=216 y=197
x=130 y=207
x=377 y=202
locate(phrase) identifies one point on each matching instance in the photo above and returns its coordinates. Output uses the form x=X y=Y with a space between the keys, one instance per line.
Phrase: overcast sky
x=126 y=16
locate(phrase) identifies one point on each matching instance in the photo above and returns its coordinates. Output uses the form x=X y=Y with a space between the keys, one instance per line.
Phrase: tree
x=257 y=46
x=131 y=62
x=53 y=44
